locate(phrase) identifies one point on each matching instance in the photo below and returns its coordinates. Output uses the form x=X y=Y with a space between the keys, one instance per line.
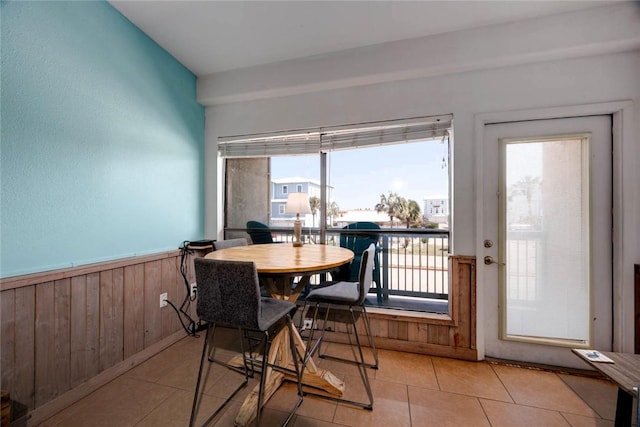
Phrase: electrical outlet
x=163 y=299
x=307 y=324
x=194 y=290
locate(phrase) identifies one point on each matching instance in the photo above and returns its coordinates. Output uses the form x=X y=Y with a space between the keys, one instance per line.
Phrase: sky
x=413 y=170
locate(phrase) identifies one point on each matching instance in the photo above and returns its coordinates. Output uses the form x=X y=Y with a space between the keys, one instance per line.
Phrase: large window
x=394 y=174
x=361 y=180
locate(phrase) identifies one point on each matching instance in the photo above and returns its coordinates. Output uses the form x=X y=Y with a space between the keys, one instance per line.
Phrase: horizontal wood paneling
x=62 y=329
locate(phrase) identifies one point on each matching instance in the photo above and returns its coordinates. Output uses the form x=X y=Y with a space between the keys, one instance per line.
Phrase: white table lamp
x=297 y=203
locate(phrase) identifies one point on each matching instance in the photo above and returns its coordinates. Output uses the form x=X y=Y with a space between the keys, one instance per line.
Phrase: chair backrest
x=229 y=243
x=259 y=237
x=365 y=278
x=358 y=243
x=228 y=293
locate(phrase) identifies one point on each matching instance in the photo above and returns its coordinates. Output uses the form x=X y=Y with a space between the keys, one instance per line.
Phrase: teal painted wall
x=102 y=149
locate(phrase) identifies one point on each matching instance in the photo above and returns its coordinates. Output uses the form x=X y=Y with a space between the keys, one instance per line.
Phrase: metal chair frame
x=366 y=271
x=249 y=361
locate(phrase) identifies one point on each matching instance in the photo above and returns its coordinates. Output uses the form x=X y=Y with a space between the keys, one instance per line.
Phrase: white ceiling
x=213 y=36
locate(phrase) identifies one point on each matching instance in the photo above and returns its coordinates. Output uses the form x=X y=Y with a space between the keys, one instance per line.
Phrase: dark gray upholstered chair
x=229 y=243
x=229 y=296
x=333 y=297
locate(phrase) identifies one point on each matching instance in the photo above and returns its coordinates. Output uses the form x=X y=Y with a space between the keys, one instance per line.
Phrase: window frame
x=324 y=140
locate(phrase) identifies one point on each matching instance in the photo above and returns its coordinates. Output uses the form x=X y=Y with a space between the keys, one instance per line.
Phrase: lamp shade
x=297 y=203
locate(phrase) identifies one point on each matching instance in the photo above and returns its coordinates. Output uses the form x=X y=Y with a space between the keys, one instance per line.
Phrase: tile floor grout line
x=153 y=409
x=575 y=392
x=435 y=372
x=503 y=384
x=484 y=411
x=564 y=417
x=581 y=398
x=409 y=405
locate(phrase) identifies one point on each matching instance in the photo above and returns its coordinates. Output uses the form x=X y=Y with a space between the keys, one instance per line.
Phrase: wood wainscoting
x=448 y=335
x=636 y=310
x=64 y=333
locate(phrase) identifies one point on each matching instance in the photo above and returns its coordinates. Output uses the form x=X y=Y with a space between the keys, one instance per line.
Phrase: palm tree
x=333 y=210
x=400 y=208
x=526 y=186
x=411 y=213
x=314 y=204
x=389 y=205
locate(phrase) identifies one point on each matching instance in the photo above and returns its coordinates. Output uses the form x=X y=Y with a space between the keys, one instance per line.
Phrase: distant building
x=280 y=189
x=436 y=209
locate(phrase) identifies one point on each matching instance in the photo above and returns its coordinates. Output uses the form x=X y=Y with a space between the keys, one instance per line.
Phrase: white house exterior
x=436 y=209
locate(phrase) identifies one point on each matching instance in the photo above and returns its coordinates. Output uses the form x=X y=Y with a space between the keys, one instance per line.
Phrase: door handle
x=488 y=260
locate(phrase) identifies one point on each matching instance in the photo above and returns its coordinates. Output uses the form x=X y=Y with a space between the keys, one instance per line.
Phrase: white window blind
x=383 y=133
x=335 y=138
x=267 y=145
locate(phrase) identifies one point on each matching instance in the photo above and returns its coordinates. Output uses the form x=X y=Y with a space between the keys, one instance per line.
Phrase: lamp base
x=297 y=231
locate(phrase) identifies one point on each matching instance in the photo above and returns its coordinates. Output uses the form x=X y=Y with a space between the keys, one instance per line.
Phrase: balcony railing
x=524 y=255
x=413 y=262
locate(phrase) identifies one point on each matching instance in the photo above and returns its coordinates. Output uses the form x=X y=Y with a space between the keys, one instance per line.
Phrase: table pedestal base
x=280 y=355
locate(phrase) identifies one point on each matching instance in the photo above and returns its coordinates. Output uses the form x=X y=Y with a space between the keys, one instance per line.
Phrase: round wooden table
x=277 y=265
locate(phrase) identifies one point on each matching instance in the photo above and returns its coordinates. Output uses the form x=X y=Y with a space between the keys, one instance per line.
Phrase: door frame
x=623 y=171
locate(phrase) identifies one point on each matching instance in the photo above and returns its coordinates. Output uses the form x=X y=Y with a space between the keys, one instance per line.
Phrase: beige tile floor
x=409 y=390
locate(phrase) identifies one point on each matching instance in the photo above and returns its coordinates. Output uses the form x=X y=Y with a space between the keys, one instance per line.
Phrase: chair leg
x=372 y=345
x=362 y=366
x=242 y=335
x=378 y=293
x=302 y=314
x=210 y=340
x=311 y=346
x=192 y=420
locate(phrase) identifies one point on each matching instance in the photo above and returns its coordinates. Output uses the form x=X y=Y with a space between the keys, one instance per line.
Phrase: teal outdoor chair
x=358 y=243
x=259 y=232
